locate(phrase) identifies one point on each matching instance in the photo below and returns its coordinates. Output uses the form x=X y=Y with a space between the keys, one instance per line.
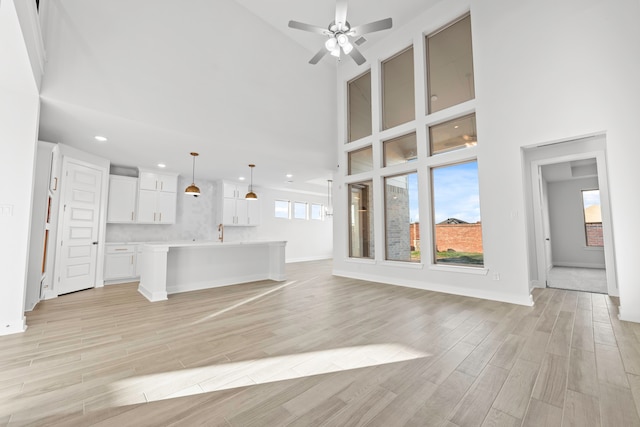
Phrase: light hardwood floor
x=321 y=350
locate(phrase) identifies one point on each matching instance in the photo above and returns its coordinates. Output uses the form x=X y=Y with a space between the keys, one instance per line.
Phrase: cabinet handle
x=121 y=249
x=131 y=215
x=131 y=259
x=160 y=217
x=55 y=183
x=156 y=185
x=154 y=217
x=161 y=185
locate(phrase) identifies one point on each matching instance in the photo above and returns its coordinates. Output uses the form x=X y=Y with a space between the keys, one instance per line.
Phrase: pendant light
x=193 y=189
x=329 y=207
x=251 y=195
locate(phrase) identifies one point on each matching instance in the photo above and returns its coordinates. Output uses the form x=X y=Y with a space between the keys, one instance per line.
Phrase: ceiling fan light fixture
x=331 y=44
x=347 y=48
x=342 y=39
x=336 y=52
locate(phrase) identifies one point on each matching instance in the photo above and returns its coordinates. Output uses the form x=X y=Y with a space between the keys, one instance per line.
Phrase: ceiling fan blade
x=383 y=24
x=318 y=56
x=341 y=11
x=360 y=41
x=306 y=27
x=357 y=56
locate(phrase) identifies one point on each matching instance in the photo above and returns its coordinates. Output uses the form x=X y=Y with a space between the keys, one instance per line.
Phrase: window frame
x=275 y=207
x=306 y=210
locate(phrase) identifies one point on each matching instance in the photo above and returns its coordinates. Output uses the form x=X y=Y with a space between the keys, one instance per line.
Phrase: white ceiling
x=227 y=79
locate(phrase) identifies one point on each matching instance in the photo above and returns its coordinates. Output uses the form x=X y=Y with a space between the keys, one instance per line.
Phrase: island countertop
x=209 y=243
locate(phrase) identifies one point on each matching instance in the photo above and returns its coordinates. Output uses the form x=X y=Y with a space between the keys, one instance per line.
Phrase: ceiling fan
x=340 y=34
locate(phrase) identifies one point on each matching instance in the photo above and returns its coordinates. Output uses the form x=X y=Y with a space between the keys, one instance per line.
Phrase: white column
x=153 y=273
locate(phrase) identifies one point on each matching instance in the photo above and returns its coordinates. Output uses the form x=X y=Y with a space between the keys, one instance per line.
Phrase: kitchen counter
x=182 y=266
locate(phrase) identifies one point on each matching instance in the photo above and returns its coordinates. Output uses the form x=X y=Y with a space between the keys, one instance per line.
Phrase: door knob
x=94 y=243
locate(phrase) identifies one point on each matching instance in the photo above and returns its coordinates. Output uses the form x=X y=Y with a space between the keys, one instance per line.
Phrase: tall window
x=592 y=218
x=456 y=212
x=361 y=220
x=361 y=161
x=359 y=119
x=398 y=90
x=401 y=218
x=450 y=66
x=453 y=135
x=400 y=150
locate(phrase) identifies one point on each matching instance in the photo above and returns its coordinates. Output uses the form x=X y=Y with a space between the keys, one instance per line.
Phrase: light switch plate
x=6 y=210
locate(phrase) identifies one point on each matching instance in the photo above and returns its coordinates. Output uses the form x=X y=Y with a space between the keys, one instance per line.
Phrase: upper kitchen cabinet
x=233 y=209
x=157 y=197
x=151 y=180
x=123 y=191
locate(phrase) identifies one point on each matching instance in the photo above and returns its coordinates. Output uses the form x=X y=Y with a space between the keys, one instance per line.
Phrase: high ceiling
x=227 y=79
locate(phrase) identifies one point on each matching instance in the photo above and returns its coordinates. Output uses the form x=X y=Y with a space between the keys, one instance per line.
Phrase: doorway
x=570 y=239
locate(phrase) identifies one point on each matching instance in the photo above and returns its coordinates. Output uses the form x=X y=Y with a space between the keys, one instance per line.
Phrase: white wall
x=19 y=109
x=306 y=239
x=566 y=219
x=38 y=220
x=197 y=219
x=544 y=71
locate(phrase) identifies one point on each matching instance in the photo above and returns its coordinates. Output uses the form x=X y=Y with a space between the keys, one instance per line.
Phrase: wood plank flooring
x=321 y=351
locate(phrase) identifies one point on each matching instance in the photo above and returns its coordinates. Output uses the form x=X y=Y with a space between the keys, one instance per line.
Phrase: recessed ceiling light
x=100 y=138
x=456 y=127
x=162 y=165
x=289 y=175
x=241 y=178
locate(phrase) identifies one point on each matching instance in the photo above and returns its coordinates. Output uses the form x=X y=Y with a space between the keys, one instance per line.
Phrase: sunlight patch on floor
x=248 y=300
x=193 y=381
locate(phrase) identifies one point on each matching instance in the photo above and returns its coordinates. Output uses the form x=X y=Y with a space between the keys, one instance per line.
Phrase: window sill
x=403 y=264
x=361 y=260
x=480 y=271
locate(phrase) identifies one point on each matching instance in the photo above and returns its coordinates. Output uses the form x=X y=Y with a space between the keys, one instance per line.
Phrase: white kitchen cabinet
x=121 y=207
x=120 y=262
x=166 y=182
x=231 y=190
x=156 y=204
x=234 y=209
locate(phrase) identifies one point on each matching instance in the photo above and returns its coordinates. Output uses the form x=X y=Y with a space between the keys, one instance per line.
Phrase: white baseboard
x=578 y=265
x=629 y=315
x=49 y=294
x=152 y=296
x=438 y=287
x=537 y=284
x=198 y=286
x=17 y=326
x=305 y=259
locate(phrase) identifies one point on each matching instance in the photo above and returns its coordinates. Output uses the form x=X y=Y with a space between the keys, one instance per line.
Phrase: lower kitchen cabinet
x=120 y=262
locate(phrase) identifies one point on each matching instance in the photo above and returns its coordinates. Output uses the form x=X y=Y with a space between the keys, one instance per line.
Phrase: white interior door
x=80 y=226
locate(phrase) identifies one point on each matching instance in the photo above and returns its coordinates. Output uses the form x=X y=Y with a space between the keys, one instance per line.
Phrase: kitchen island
x=172 y=267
